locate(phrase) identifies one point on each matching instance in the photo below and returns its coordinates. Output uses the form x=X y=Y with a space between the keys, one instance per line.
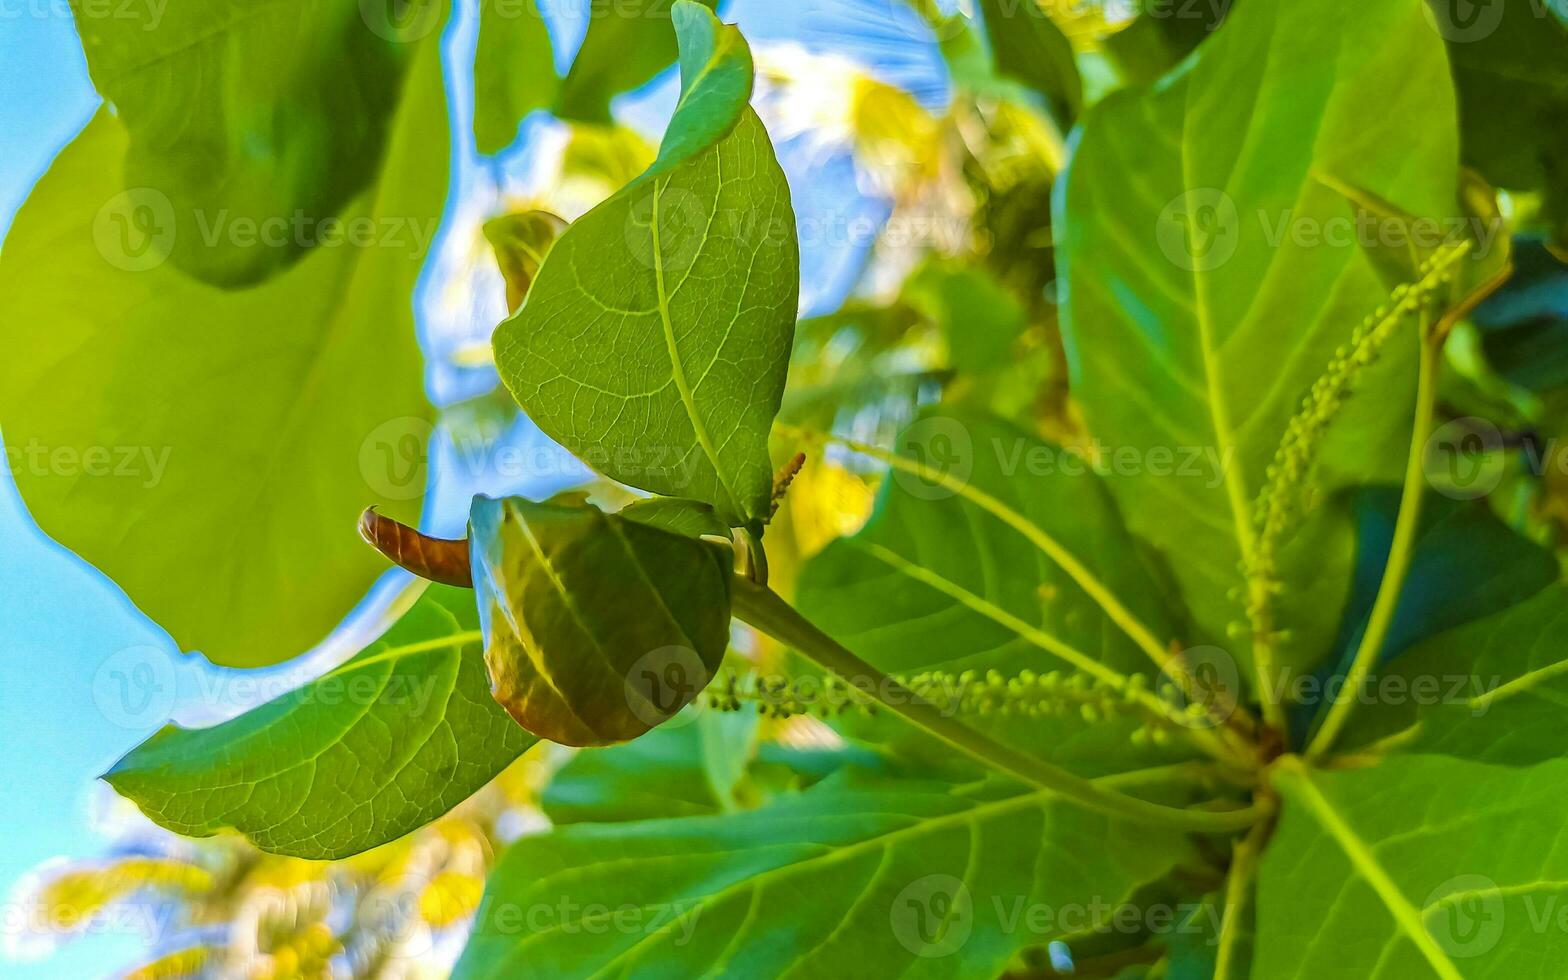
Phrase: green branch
x=766 y=611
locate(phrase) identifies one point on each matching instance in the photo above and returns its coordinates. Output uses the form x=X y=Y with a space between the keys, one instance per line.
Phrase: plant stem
x=1399 y=555
x=1238 y=896
x=767 y=611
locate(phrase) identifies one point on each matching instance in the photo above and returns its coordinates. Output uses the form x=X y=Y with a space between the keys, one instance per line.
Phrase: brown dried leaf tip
x=441 y=560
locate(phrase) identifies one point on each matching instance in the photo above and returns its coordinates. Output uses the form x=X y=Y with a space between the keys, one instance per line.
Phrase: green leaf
x=366 y=753
x=951 y=567
x=689 y=517
x=213 y=448
x=690 y=766
x=514 y=70
x=521 y=241
x=1027 y=46
x=1492 y=691
x=1199 y=309
x=239 y=113
x=627 y=44
x=942 y=579
x=1466 y=564
x=917 y=880
x=1510 y=67
x=597 y=628
x=655 y=340
x=1419 y=867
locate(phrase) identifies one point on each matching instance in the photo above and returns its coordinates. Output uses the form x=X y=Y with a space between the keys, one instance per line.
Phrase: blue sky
x=61 y=621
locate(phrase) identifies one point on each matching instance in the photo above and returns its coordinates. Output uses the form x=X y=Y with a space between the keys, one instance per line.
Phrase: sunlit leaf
x=238 y=114
x=378 y=747
x=213 y=446
x=1199 y=308
x=514 y=70
x=654 y=341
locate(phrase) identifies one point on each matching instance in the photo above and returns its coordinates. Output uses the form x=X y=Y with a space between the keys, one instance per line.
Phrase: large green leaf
x=207 y=449
x=655 y=341
x=239 y=112
x=945 y=579
x=689 y=766
x=950 y=565
x=1493 y=691
x=1199 y=309
x=597 y=628
x=514 y=70
x=1419 y=867
x=378 y=747
x=627 y=44
x=917 y=880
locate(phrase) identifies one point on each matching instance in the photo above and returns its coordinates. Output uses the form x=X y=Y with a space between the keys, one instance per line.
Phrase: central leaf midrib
x=1407 y=919
x=677 y=370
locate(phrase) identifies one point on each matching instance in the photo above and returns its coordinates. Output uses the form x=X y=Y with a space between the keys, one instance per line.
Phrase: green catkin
x=1288 y=491
x=1026 y=694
